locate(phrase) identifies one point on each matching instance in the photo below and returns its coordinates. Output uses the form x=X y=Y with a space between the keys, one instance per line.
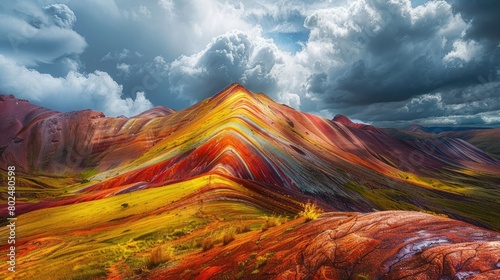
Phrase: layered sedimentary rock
x=351 y=167
x=240 y=147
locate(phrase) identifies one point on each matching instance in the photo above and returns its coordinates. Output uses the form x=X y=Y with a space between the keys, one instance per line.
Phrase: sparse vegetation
x=241 y=270
x=94 y=273
x=434 y=213
x=127 y=252
x=252 y=256
x=180 y=232
x=242 y=228
x=289 y=229
x=311 y=211
x=228 y=235
x=260 y=261
x=207 y=243
x=159 y=255
x=363 y=276
x=272 y=222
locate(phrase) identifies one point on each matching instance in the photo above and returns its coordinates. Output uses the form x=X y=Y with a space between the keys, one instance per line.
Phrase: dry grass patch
x=160 y=255
x=272 y=222
x=242 y=228
x=311 y=211
x=228 y=235
x=208 y=243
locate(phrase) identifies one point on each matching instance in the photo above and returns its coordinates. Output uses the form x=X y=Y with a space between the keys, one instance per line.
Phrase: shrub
x=159 y=255
x=241 y=228
x=180 y=232
x=311 y=211
x=241 y=270
x=260 y=261
x=207 y=243
x=228 y=235
x=434 y=213
x=271 y=222
x=363 y=276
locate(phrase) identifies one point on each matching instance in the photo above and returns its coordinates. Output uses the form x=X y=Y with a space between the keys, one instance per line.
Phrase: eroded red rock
x=381 y=245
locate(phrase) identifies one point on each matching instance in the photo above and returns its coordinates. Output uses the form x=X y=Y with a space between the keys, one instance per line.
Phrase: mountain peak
x=415 y=128
x=347 y=122
x=342 y=119
x=235 y=95
x=230 y=91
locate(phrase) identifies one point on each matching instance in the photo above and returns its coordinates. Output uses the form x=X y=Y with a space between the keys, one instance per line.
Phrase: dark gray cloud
x=408 y=53
x=483 y=17
x=382 y=57
x=472 y=105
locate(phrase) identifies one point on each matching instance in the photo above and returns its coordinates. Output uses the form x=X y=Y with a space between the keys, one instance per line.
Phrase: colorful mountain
x=485 y=139
x=224 y=183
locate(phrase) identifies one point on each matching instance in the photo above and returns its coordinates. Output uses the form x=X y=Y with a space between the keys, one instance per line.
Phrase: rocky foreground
x=382 y=245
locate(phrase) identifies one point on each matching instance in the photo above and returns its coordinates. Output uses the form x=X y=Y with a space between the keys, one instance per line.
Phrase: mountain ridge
x=248 y=136
x=232 y=176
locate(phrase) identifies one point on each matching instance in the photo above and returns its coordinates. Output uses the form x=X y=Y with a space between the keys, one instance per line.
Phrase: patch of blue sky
x=415 y=3
x=289 y=41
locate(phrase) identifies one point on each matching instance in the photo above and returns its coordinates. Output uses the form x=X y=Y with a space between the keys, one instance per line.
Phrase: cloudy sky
x=388 y=63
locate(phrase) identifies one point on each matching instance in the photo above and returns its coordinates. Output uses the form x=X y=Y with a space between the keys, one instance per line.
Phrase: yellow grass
x=96 y=235
x=272 y=222
x=228 y=235
x=311 y=211
x=160 y=255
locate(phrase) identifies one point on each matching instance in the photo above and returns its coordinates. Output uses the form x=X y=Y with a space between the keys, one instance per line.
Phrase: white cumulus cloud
x=61 y=15
x=232 y=57
x=75 y=91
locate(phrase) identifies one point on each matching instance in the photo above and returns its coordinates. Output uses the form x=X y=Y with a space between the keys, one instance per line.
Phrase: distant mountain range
x=241 y=159
x=440 y=129
x=485 y=139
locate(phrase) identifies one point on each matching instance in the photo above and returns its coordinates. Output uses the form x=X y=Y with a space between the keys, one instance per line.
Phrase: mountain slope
x=249 y=137
x=485 y=139
x=236 y=160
